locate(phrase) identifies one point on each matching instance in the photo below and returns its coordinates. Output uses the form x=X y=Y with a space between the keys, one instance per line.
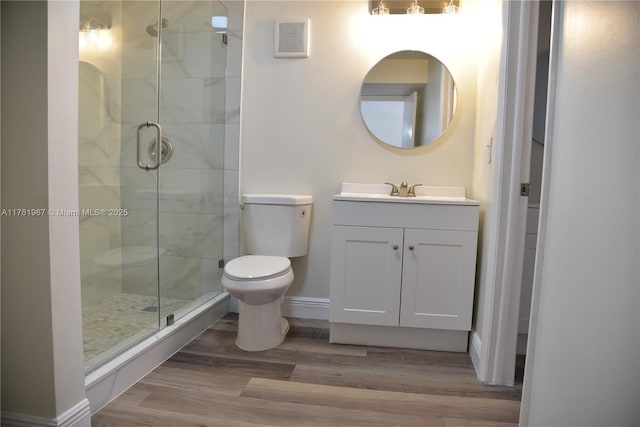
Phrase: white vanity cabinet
x=403 y=271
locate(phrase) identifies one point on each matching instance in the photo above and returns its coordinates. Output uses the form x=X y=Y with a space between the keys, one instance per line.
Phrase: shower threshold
x=119 y=322
x=109 y=380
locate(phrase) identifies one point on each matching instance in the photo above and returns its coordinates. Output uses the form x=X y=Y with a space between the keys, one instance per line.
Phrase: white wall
x=584 y=363
x=489 y=47
x=301 y=126
x=42 y=377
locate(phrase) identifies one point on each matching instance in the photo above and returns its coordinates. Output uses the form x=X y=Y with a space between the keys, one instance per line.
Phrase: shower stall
x=151 y=150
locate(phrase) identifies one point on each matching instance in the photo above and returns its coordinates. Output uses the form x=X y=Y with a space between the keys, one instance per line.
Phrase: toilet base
x=261 y=327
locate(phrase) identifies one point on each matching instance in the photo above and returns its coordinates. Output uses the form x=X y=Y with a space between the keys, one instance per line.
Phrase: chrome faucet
x=404 y=190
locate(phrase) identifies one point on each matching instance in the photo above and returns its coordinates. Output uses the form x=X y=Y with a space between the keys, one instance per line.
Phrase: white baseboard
x=474 y=352
x=77 y=416
x=301 y=307
x=306 y=308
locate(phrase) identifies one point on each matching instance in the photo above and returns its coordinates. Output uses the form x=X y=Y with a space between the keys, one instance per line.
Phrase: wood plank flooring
x=308 y=382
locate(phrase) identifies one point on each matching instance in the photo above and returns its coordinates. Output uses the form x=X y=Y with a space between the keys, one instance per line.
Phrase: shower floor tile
x=116 y=322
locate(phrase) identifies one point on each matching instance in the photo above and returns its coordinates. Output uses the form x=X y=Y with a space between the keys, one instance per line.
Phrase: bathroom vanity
x=403 y=268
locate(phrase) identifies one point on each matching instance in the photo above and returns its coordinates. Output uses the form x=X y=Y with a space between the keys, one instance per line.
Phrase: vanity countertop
x=424 y=194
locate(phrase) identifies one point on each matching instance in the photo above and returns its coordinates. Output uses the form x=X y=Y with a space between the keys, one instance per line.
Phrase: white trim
x=475 y=347
x=496 y=364
x=300 y=307
x=557 y=17
x=115 y=377
x=77 y=416
x=306 y=308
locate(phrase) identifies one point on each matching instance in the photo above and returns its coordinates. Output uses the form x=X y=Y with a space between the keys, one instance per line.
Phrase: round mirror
x=408 y=99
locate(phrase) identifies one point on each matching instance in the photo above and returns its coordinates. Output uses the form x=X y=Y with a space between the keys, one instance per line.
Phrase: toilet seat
x=257 y=267
x=257 y=279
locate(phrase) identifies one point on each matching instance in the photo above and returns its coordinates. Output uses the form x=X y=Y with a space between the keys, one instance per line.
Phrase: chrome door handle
x=158 y=138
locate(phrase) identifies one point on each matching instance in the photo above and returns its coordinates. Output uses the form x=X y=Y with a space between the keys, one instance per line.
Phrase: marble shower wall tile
x=182 y=54
x=234 y=53
x=231 y=146
x=213 y=191
x=98 y=175
x=97 y=284
x=200 y=104
x=191 y=235
x=140 y=229
x=231 y=216
x=195 y=146
x=180 y=191
x=232 y=101
x=99 y=133
x=100 y=236
x=94 y=142
x=180 y=277
x=139 y=103
x=138 y=46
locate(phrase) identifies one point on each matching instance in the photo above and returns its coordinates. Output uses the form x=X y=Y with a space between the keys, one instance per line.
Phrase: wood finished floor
x=307 y=381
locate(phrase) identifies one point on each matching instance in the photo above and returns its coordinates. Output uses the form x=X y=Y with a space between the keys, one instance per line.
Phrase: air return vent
x=292 y=39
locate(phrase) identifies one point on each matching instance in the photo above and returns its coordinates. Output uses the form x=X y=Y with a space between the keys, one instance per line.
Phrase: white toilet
x=276 y=228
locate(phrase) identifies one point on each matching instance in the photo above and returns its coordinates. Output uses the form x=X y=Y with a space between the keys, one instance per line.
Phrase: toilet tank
x=276 y=224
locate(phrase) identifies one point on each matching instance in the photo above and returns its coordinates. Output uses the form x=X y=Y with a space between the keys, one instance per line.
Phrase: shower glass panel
x=192 y=113
x=150 y=238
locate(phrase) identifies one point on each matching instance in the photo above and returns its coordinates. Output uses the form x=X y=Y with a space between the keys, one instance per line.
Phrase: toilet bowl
x=276 y=227
x=259 y=283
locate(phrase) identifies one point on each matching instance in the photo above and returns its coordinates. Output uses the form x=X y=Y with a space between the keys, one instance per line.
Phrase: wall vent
x=292 y=39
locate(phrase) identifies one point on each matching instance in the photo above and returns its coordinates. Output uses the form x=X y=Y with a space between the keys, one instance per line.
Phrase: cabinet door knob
x=395 y=247
x=411 y=247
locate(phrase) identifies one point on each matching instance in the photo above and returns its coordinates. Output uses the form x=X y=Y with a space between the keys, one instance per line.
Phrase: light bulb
x=416 y=9
x=380 y=10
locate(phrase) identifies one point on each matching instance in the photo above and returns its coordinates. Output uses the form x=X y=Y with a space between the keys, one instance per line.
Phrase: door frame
x=496 y=359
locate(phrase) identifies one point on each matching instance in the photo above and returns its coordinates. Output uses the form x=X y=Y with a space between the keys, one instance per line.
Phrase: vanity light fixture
x=415 y=9
x=380 y=10
x=450 y=8
x=94 y=31
x=403 y=7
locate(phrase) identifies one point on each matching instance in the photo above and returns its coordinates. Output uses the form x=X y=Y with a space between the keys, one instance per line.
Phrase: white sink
x=424 y=194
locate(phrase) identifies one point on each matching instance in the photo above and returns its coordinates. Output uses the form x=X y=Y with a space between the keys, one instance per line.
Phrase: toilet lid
x=251 y=267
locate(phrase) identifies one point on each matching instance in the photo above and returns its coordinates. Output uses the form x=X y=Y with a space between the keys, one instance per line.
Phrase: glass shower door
x=119 y=83
x=151 y=130
x=192 y=113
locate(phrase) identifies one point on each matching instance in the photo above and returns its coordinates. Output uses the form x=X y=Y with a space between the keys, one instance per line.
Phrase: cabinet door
x=438 y=279
x=366 y=268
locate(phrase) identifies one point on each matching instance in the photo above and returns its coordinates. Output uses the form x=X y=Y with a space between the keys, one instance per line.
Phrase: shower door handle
x=158 y=152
